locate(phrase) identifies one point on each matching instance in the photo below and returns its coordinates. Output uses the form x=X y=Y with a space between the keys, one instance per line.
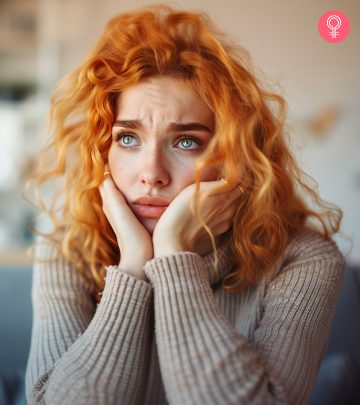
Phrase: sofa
x=15 y=334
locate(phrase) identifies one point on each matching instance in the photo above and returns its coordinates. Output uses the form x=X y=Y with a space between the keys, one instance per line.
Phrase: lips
x=150 y=206
x=152 y=200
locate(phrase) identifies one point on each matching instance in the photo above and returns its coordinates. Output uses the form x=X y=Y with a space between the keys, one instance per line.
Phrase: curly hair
x=249 y=146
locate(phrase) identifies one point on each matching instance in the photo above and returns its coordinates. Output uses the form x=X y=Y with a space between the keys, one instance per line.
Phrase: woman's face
x=161 y=129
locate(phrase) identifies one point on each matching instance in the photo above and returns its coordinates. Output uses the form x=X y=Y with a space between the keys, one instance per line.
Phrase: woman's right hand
x=135 y=243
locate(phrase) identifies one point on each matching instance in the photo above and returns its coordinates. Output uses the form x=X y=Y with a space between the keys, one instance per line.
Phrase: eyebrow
x=174 y=126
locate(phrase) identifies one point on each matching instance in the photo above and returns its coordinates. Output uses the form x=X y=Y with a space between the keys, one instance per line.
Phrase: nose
x=155 y=170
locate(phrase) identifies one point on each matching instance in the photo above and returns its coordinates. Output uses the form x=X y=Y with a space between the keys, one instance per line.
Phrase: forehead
x=163 y=98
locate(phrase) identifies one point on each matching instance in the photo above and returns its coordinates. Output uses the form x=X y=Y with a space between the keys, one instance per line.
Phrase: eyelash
x=121 y=134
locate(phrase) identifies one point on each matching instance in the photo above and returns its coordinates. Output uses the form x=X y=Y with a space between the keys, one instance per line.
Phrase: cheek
x=210 y=174
x=114 y=162
x=183 y=176
x=120 y=169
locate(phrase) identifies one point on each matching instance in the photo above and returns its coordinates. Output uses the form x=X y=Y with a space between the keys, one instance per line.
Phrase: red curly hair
x=248 y=146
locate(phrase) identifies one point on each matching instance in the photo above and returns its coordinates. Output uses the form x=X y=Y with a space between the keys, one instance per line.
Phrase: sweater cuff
x=120 y=284
x=124 y=271
x=181 y=268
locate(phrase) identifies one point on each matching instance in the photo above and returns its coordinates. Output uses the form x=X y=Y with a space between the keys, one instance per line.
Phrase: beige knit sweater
x=179 y=338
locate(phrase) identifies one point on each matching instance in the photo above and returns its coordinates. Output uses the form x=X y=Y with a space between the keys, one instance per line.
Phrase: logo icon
x=334 y=26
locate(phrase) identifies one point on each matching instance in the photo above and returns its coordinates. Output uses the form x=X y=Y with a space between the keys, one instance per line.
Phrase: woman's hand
x=134 y=241
x=178 y=229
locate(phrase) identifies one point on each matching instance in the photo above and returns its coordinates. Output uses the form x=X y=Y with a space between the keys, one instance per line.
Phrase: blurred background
x=42 y=40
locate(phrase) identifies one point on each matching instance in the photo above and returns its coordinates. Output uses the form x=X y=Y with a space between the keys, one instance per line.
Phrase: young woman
x=183 y=266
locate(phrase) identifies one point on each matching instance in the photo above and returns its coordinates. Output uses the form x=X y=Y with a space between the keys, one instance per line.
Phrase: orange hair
x=248 y=146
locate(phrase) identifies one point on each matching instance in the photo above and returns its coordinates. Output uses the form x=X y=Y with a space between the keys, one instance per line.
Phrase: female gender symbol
x=333 y=28
x=337 y=22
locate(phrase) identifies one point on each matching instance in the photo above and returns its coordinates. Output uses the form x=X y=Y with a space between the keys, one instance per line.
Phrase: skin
x=157 y=166
x=150 y=156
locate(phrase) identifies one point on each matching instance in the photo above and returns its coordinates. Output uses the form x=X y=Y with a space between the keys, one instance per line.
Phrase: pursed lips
x=150 y=206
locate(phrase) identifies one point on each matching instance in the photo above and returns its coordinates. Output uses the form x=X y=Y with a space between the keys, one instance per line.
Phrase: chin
x=149 y=224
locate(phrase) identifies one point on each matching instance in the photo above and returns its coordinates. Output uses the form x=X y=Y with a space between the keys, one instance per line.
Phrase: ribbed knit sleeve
x=204 y=360
x=81 y=354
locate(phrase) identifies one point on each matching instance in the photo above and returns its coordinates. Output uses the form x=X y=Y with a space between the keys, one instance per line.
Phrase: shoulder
x=52 y=269
x=46 y=249
x=310 y=252
x=310 y=244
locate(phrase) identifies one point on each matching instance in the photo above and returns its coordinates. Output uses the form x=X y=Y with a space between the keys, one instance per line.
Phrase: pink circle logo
x=334 y=26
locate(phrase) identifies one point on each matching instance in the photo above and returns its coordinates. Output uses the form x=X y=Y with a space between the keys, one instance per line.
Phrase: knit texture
x=178 y=338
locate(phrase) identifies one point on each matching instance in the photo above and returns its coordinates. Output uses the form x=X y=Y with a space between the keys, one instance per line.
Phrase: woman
x=179 y=187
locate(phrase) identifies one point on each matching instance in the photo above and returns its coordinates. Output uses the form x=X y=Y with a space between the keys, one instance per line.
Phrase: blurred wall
x=318 y=79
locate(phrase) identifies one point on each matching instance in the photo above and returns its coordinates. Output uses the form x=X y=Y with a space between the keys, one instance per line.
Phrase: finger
x=102 y=187
x=106 y=188
x=108 y=181
x=228 y=195
x=107 y=170
x=236 y=193
x=214 y=187
x=232 y=187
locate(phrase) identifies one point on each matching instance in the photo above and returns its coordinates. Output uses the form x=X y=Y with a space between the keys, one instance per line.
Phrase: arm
x=79 y=355
x=203 y=359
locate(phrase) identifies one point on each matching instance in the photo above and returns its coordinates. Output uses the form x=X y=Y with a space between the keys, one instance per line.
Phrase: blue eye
x=186 y=142
x=125 y=141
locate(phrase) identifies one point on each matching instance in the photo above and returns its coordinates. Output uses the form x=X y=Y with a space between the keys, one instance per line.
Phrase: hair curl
x=248 y=147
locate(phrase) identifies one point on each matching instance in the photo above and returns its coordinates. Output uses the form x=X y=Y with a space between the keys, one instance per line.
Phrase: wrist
x=140 y=276
x=163 y=249
x=133 y=268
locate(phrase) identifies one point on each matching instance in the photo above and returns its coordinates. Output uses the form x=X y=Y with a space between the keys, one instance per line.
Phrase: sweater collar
x=225 y=261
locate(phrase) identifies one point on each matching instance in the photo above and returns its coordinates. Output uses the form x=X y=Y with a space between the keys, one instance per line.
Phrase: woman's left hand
x=178 y=229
